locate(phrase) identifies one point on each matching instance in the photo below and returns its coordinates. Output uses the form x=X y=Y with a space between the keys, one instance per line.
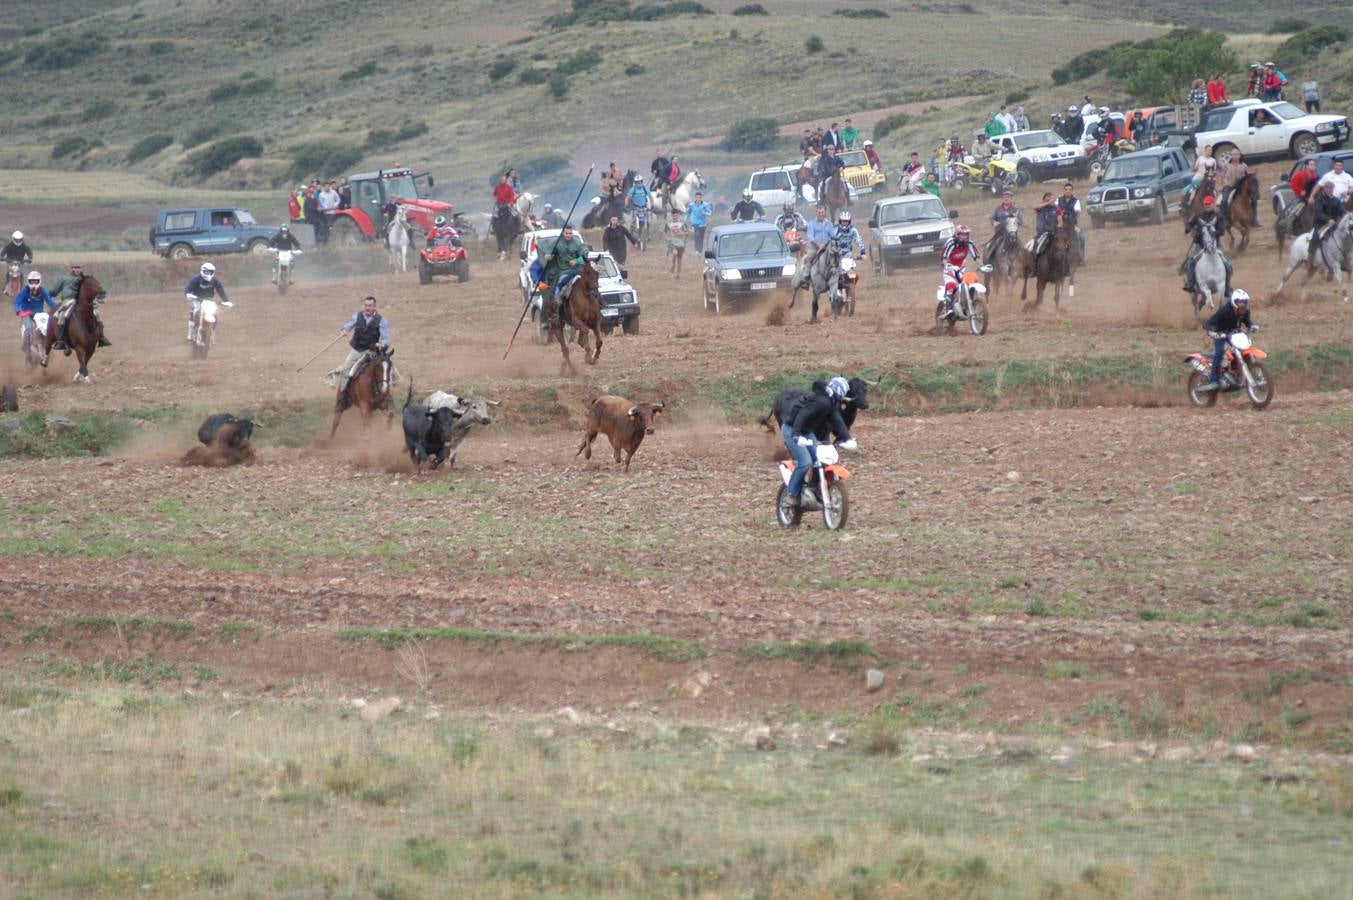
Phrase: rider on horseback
x=1007 y=210
x=1045 y=224
x=1197 y=226
x=828 y=166
x=562 y=264
x=370 y=332
x=31 y=300
x=1203 y=167
x=67 y=290
x=1233 y=176
x=661 y=167
x=1328 y=211
x=203 y=286
x=503 y=192
x=955 y=253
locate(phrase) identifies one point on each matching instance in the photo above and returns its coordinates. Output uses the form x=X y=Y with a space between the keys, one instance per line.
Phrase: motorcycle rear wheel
x=1197 y=396
x=787 y=512
x=1261 y=392
x=835 y=506
x=943 y=323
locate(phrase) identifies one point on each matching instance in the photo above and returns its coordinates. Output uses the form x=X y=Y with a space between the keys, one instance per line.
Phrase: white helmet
x=869 y=143
x=596 y=201
x=1103 y=110
x=1237 y=297
x=35 y=277
x=208 y=271
x=18 y=235
x=844 y=217
x=1072 y=109
x=638 y=179
x=439 y=221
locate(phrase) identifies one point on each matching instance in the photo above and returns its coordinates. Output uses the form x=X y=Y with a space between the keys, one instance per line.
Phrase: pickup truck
x=1043 y=155
x=182 y=233
x=1137 y=185
x=1267 y=130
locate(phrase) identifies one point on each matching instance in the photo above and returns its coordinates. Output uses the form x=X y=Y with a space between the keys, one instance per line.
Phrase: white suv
x=1268 y=129
x=1043 y=155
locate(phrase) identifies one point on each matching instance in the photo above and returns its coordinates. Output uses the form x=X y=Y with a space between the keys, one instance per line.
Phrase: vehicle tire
x=978 y=322
x=1158 y=212
x=959 y=184
x=1261 y=394
x=258 y=247
x=876 y=254
x=181 y=251
x=1222 y=152
x=835 y=506
x=887 y=269
x=607 y=329
x=346 y=234
x=1096 y=222
x=788 y=515
x=1024 y=175
x=631 y=325
x=9 y=399
x=1304 y=144
x=704 y=288
x=941 y=320
x=1096 y=168
x=1197 y=396
x=424 y=272
x=463 y=271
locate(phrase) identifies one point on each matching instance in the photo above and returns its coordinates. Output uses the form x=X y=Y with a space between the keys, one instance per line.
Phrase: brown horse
x=82 y=328
x=834 y=195
x=368 y=390
x=582 y=310
x=1208 y=188
x=1054 y=265
x=1240 y=211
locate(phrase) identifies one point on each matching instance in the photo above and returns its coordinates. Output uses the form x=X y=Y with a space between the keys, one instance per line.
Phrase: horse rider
x=697 y=217
x=1007 y=210
x=790 y=219
x=747 y=209
x=389 y=212
x=33 y=298
x=1301 y=183
x=674 y=173
x=613 y=238
x=816 y=413
x=66 y=291
x=1069 y=207
x=610 y=185
x=203 y=286
x=847 y=236
x=1231 y=316
x=282 y=240
x=1233 y=175
x=661 y=167
x=1328 y=211
x=557 y=269
x=441 y=232
x=370 y=332
x=16 y=251
x=1195 y=226
x=1204 y=165
x=504 y=194
x=828 y=166
x=1046 y=214
x=953 y=257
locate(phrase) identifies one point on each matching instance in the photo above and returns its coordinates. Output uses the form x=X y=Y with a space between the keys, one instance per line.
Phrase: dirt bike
x=968 y=300
x=843 y=299
x=637 y=221
x=204 y=326
x=284 y=261
x=33 y=338
x=825 y=478
x=1242 y=369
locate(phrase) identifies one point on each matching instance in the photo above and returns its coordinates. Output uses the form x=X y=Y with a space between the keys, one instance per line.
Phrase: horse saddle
x=64 y=310
x=564 y=284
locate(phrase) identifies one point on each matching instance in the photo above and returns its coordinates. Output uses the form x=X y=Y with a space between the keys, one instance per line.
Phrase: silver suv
x=747 y=260
x=908 y=228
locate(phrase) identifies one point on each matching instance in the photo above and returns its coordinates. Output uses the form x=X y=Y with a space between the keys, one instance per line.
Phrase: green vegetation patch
x=222 y=155
x=755 y=134
x=148 y=146
x=810 y=653
x=661 y=648
x=39 y=435
x=327 y=159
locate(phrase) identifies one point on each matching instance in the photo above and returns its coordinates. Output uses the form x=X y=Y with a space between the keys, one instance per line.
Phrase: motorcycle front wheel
x=787 y=512
x=978 y=320
x=283 y=279
x=1261 y=392
x=1198 y=396
x=835 y=506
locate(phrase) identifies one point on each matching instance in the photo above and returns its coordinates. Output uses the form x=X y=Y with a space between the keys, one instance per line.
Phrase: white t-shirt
x=1310 y=91
x=1342 y=181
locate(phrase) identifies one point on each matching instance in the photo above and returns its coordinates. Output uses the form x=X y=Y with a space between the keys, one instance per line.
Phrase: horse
x=600 y=215
x=506 y=224
x=679 y=197
x=398 y=234
x=806 y=177
x=525 y=206
x=82 y=328
x=1240 y=211
x=834 y=195
x=1054 y=265
x=368 y=390
x=1004 y=252
x=824 y=277
x=1335 y=255
x=1299 y=218
x=583 y=312
x=1207 y=188
x=1209 y=273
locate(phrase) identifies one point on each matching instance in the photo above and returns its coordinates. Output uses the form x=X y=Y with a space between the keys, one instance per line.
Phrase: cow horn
x=634 y=410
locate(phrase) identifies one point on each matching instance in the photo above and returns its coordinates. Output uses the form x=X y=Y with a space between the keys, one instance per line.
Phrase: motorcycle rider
x=613 y=238
x=557 y=268
x=953 y=257
x=1006 y=210
x=1231 y=316
x=65 y=292
x=1194 y=226
x=790 y=219
x=1328 y=211
x=813 y=414
x=33 y=298
x=747 y=209
x=847 y=236
x=1073 y=125
x=637 y=198
x=282 y=240
x=203 y=286
x=16 y=251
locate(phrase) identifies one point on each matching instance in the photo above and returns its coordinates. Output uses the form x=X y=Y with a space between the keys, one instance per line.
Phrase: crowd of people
x=309 y=203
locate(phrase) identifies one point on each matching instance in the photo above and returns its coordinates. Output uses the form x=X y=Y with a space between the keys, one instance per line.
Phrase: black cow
x=426 y=433
x=856 y=400
x=225 y=430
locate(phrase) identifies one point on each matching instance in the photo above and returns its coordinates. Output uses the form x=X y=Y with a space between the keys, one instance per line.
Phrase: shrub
x=245 y=87
x=1019 y=95
x=204 y=133
x=501 y=68
x=385 y=137
x=591 y=12
x=156 y=94
x=887 y=126
x=866 y=13
x=1167 y=71
x=752 y=134
x=634 y=69
x=65 y=52
x=327 y=159
x=148 y=146
x=1305 y=44
x=142 y=78
x=75 y=147
x=365 y=69
x=159 y=48
x=1288 y=26
x=222 y=155
x=751 y=9
x=98 y=109
x=533 y=76
x=559 y=87
x=814 y=44
x=648 y=12
x=581 y=61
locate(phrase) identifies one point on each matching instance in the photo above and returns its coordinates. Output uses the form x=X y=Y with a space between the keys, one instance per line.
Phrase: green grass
x=1071 y=669
x=657 y=647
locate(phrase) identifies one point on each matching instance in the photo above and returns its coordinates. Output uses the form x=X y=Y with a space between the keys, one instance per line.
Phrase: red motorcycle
x=445 y=257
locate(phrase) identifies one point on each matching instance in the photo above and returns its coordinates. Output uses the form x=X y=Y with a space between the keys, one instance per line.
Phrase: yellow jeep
x=862 y=177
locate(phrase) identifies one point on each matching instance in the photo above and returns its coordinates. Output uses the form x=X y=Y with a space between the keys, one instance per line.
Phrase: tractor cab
x=372 y=190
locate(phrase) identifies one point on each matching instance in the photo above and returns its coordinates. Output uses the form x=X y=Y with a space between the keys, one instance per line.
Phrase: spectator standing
x=344 y=194
x=1272 y=84
x=1310 y=94
x=1256 y=81
x=294 y=205
x=993 y=126
x=697 y=216
x=829 y=138
x=1007 y=121
x=329 y=198
x=310 y=213
x=1341 y=180
x=849 y=135
x=1021 y=120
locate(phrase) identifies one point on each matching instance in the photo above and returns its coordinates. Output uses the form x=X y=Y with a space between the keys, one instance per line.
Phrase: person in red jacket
x=503 y=194
x=1216 y=91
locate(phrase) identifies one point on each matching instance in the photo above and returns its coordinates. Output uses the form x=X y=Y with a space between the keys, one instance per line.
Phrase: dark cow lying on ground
x=624 y=424
x=856 y=400
x=435 y=428
x=225 y=442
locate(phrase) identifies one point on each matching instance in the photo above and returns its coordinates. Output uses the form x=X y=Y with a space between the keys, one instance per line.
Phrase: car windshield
x=769 y=181
x=912 y=211
x=854 y=158
x=766 y=243
x=245 y=217
x=401 y=186
x=1287 y=110
x=607 y=267
x=1127 y=167
x=1036 y=139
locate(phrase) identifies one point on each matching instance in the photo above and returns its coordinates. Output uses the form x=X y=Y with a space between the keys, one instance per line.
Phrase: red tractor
x=370 y=192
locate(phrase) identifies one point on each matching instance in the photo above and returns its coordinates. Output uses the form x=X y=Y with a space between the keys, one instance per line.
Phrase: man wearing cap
x=697 y=217
x=65 y=291
x=1208 y=217
x=1007 y=210
x=370 y=331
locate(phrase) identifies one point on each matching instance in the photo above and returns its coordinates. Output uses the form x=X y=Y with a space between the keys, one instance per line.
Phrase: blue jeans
x=1218 y=357
x=803 y=460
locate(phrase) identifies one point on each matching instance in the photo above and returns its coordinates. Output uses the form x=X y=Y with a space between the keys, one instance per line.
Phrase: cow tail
x=765 y=423
x=408 y=399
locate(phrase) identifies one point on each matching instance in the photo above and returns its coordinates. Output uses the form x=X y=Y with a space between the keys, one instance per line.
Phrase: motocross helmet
x=844 y=218
x=208 y=271
x=34 y=278
x=838 y=388
x=1240 y=298
x=439 y=221
x=1103 y=110
x=962 y=232
x=638 y=179
x=285 y=227
x=17 y=236
x=1071 y=110
x=868 y=143
x=746 y=193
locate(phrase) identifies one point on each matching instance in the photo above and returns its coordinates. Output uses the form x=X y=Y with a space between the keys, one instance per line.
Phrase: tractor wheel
x=345 y=234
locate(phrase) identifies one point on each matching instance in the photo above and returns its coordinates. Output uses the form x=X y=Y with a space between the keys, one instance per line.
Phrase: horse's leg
x=596 y=331
x=567 y=365
x=338 y=414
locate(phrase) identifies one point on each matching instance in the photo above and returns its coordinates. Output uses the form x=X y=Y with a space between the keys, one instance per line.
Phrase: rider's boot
x=103 y=339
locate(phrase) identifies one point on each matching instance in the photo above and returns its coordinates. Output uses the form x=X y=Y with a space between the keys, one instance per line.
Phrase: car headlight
x=730 y=274
x=1041 y=157
x=789 y=270
x=892 y=239
x=1093 y=197
x=1326 y=126
x=1139 y=193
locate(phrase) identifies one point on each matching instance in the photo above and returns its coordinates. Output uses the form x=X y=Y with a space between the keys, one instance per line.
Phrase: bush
x=814 y=44
x=751 y=9
x=591 y=12
x=142 y=78
x=98 y=109
x=222 y=155
x=66 y=51
x=1166 y=73
x=1303 y=45
x=156 y=94
x=75 y=147
x=581 y=61
x=148 y=146
x=1019 y=95
x=634 y=69
x=245 y=87
x=866 y=13
x=1288 y=26
x=648 y=12
x=501 y=68
x=752 y=134
x=159 y=48
x=888 y=125
x=385 y=137
x=365 y=69
x=204 y=133
x=533 y=76
x=327 y=159
x=559 y=87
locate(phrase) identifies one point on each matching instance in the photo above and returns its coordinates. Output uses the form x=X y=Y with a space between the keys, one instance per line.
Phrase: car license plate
x=914 y=250
x=612 y=313
x=1115 y=207
x=763 y=285
x=1066 y=162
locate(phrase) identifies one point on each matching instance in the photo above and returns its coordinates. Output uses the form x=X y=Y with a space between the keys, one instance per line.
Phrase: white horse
x=525 y=206
x=399 y=239
x=1335 y=255
x=1209 y=273
x=678 y=198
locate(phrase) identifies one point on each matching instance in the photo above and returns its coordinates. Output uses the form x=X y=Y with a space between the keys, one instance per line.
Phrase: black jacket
x=817 y=414
x=1327 y=209
x=19 y=253
x=613 y=238
x=1227 y=319
x=747 y=211
x=284 y=240
x=1194 y=226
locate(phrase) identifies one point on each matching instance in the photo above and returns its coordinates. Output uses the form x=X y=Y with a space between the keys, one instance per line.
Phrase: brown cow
x=623 y=422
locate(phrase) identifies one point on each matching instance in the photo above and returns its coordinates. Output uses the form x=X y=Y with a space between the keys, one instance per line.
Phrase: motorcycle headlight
x=730 y=274
x=789 y=270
